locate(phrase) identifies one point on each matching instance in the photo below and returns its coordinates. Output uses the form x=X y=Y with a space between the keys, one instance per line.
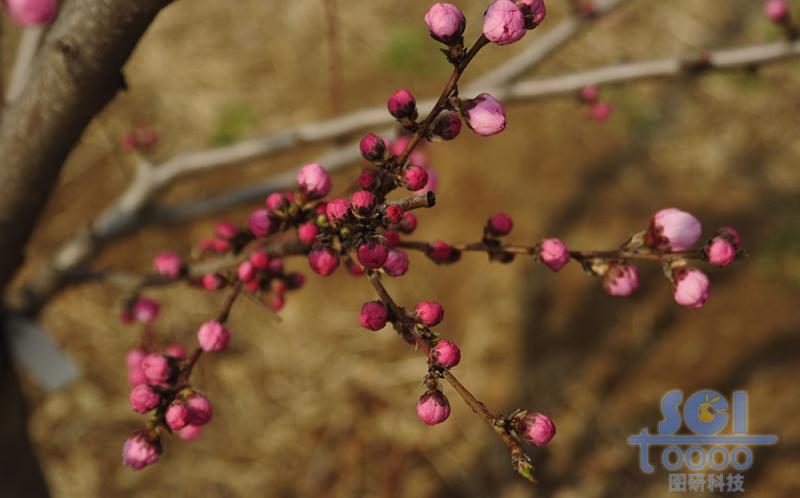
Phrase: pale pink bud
x=246 y=271
x=446 y=354
x=691 y=287
x=225 y=229
x=537 y=429
x=601 y=111
x=31 y=12
x=731 y=235
x=260 y=223
x=213 y=336
x=446 y=23
x=484 y=114
x=373 y=315
x=415 y=177
x=145 y=310
x=447 y=127
x=372 y=254
x=136 y=377
x=720 y=252
x=199 y=408
x=589 y=93
x=372 y=147
x=430 y=313
x=143 y=398
x=157 y=368
x=553 y=253
x=363 y=202
x=323 y=261
x=260 y=261
x=177 y=416
x=212 y=282
x=621 y=279
x=140 y=450
x=504 y=22
x=337 y=210
x=673 y=229
x=307 y=232
x=314 y=181
x=396 y=263
x=133 y=358
x=534 y=11
x=776 y=10
x=190 y=432
x=276 y=201
x=168 y=264
x=431 y=184
x=175 y=350
x=433 y=407
x=500 y=224
x=402 y=104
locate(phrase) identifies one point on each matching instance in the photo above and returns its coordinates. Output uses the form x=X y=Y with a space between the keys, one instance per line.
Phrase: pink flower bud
x=156 y=367
x=408 y=223
x=225 y=230
x=259 y=260
x=441 y=252
x=537 y=429
x=307 y=232
x=601 y=111
x=621 y=279
x=136 y=377
x=402 y=105
x=212 y=282
x=133 y=358
x=392 y=238
x=31 y=12
x=429 y=313
x=314 y=181
x=168 y=264
x=589 y=93
x=246 y=271
x=417 y=156
x=720 y=252
x=554 y=253
x=394 y=213
x=337 y=210
x=673 y=229
x=366 y=179
x=140 y=450
x=396 y=263
x=500 y=224
x=220 y=245
x=213 y=336
x=276 y=201
x=145 y=310
x=372 y=254
x=363 y=202
x=534 y=12
x=354 y=268
x=143 y=398
x=252 y=286
x=504 y=22
x=484 y=114
x=323 y=261
x=373 y=315
x=277 y=303
x=731 y=235
x=431 y=184
x=415 y=177
x=691 y=287
x=446 y=23
x=260 y=223
x=199 y=408
x=447 y=127
x=276 y=266
x=177 y=416
x=372 y=147
x=433 y=407
x=190 y=432
x=446 y=354
x=776 y=10
x=175 y=350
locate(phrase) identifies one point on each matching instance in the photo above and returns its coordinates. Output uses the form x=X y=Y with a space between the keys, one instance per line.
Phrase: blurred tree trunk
x=76 y=72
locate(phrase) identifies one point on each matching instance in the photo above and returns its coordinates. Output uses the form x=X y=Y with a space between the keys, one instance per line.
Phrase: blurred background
x=312 y=405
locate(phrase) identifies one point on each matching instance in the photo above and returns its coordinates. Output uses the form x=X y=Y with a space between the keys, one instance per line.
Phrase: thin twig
x=29 y=44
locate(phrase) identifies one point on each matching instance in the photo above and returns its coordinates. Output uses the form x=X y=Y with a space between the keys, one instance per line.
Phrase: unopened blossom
x=225 y=230
x=500 y=224
x=720 y=252
x=673 y=229
x=362 y=202
x=554 y=253
x=776 y=10
x=601 y=111
x=372 y=254
x=314 y=181
x=396 y=264
x=621 y=279
x=415 y=177
x=31 y=12
x=246 y=271
x=143 y=398
x=504 y=22
x=337 y=209
x=372 y=147
x=394 y=213
x=145 y=310
x=323 y=261
x=537 y=429
x=307 y=232
x=402 y=105
x=445 y=22
x=261 y=224
x=448 y=126
x=484 y=114
x=429 y=313
x=157 y=368
x=446 y=354
x=433 y=407
x=276 y=201
x=177 y=416
x=534 y=12
x=691 y=287
x=373 y=315
x=199 y=408
x=213 y=336
x=168 y=264
x=140 y=450
x=589 y=93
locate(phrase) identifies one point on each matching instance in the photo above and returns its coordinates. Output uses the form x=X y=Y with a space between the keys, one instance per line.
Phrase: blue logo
x=717 y=439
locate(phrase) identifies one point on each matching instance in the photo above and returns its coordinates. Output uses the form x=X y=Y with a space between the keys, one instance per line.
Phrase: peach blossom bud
x=415 y=177
x=621 y=279
x=314 y=181
x=225 y=230
x=307 y=232
x=168 y=264
x=500 y=224
x=504 y=22
x=431 y=184
x=394 y=213
x=396 y=263
x=554 y=253
x=601 y=111
x=276 y=201
x=408 y=223
x=136 y=377
x=190 y=432
x=354 y=268
x=157 y=368
x=776 y=10
x=392 y=238
x=446 y=354
x=140 y=450
x=275 y=266
x=402 y=105
x=589 y=93
x=691 y=287
x=429 y=313
x=433 y=407
x=260 y=260
x=373 y=315
x=446 y=23
x=372 y=147
x=366 y=179
x=175 y=350
x=337 y=210
x=534 y=12
x=440 y=251
x=145 y=310
x=673 y=229
x=537 y=429
x=372 y=254
x=731 y=235
x=177 y=416
x=133 y=358
x=213 y=336
x=31 y=12
x=323 y=261
x=220 y=245
x=246 y=271
x=447 y=127
x=720 y=252
x=362 y=202
x=260 y=223
x=213 y=282
x=143 y=398
x=199 y=408
x=484 y=114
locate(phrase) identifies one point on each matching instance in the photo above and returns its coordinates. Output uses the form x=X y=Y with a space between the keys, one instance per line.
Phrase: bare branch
x=28 y=46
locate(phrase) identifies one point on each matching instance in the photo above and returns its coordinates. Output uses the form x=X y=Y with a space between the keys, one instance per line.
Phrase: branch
x=26 y=51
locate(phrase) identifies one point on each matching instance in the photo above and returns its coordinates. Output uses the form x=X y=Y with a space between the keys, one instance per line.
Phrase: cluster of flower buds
x=31 y=12
x=598 y=110
x=507 y=21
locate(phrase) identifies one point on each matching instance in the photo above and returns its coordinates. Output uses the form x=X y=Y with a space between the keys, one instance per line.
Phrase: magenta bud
x=553 y=253
x=366 y=179
x=133 y=358
x=446 y=23
x=408 y=223
x=534 y=12
x=429 y=313
x=213 y=282
x=372 y=147
x=190 y=432
x=259 y=260
x=673 y=229
x=199 y=408
x=731 y=235
x=589 y=94
x=307 y=232
x=447 y=127
x=220 y=245
x=372 y=254
x=143 y=398
x=337 y=210
x=392 y=238
x=621 y=279
x=145 y=310
x=354 y=268
x=431 y=184
x=537 y=429
x=323 y=261
x=260 y=223
x=484 y=114
x=246 y=271
x=373 y=315
x=213 y=336
x=136 y=377
x=433 y=407
x=175 y=350
x=776 y=11
x=446 y=354
x=396 y=263
x=415 y=177
x=225 y=230
x=31 y=12
x=402 y=105
x=177 y=416
x=276 y=201
x=691 y=287
x=140 y=450
x=394 y=213
x=601 y=111
x=442 y=252
x=314 y=181
x=156 y=367
x=504 y=22
x=720 y=252
x=275 y=266
x=500 y=224
x=168 y=264
x=363 y=202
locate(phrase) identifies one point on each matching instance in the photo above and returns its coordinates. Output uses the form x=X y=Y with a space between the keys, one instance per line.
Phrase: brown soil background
x=315 y=406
